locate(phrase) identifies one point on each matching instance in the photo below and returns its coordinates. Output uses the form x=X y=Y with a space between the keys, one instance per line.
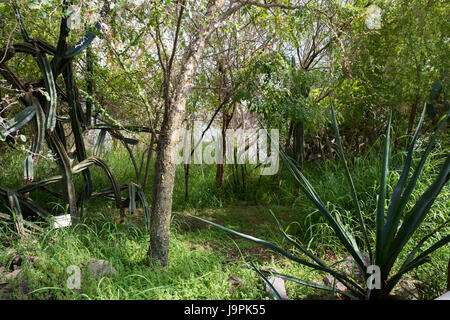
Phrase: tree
x=178 y=78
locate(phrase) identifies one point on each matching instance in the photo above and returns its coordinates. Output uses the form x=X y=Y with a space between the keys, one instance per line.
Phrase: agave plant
x=40 y=100
x=394 y=226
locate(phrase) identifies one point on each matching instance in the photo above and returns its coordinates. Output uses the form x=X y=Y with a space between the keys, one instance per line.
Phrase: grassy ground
x=204 y=261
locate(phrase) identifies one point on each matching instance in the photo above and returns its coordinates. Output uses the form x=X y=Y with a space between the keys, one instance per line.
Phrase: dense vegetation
x=93 y=96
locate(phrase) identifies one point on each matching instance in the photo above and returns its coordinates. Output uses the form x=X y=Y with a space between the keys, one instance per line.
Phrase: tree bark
x=221 y=166
x=174 y=110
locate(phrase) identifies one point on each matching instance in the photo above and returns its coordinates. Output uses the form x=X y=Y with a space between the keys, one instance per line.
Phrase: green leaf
x=350 y=182
x=382 y=195
x=394 y=212
x=350 y=284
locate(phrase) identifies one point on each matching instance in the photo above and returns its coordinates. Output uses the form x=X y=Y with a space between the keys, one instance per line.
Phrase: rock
x=5 y=291
x=18 y=260
x=9 y=276
x=278 y=284
x=407 y=289
x=101 y=268
x=445 y=296
x=329 y=281
x=352 y=267
x=7 y=288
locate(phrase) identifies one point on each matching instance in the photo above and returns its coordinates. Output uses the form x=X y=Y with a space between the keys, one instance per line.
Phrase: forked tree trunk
x=163 y=181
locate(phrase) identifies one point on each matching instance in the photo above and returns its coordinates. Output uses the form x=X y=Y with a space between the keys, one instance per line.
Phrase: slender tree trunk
x=149 y=159
x=412 y=115
x=163 y=181
x=221 y=166
x=187 y=163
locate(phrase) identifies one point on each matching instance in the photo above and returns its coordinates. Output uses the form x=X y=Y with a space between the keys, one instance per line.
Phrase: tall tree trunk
x=187 y=163
x=221 y=166
x=412 y=115
x=174 y=110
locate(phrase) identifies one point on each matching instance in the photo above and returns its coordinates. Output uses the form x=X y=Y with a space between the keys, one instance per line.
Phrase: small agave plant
x=394 y=228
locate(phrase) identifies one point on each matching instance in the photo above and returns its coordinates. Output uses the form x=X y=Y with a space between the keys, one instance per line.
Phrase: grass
x=203 y=259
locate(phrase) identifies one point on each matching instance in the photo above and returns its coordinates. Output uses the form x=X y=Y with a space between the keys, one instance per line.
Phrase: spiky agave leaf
x=416 y=216
x=350 y=284
x=379 y=220
x=350 y=182
x=304 y=185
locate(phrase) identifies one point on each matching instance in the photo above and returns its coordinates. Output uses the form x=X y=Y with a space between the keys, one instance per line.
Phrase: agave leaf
x=417 y=214
x=350 y=182
x=412 y=182
x=382 y=195
x=309 y=283
x=394 y=214
x=272 y=288
x=307 y=189
x=427 y=252
x=298 y=246
x=420 y=244
x=350 y=284
x=390 y=284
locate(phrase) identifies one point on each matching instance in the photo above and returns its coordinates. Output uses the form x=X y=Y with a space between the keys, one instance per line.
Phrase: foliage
x=391 y=236
x=41 y=111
